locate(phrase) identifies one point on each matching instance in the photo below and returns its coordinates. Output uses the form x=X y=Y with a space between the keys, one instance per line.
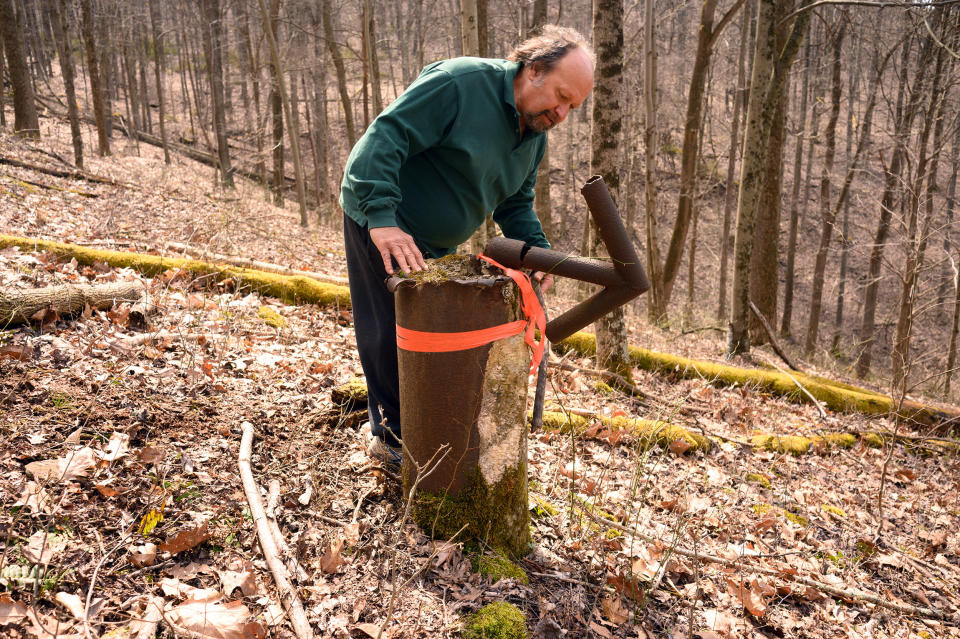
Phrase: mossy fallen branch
x=648 y=432
x=836 y=396
x=293 y=289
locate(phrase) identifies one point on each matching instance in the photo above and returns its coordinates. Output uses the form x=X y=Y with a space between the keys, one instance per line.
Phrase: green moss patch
x=500 y=620
x=836 y=396
x=292 y=289
x=271 y=317
x=648 y=432
x=350 y=395
x=833 y=510
x=757 y=478
x=793 y=444
x=498 y=567
x=497 y=515
x=542 y=508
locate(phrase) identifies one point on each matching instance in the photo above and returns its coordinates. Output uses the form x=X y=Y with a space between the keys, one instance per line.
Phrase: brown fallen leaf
x=240 y=575
x=214 y=620
x=332 y=560
x=35 y=498
x=11 y=611
x=371 y=630
x=144 y=555
x=751 y=600
x=679 y=446
x=186 y=540
x=613 y=610
x=106 y=490
x=150 y=455
x=19 y=352
x=43 y=547
x=116 y=447
x=600 y=630
x=64 y=469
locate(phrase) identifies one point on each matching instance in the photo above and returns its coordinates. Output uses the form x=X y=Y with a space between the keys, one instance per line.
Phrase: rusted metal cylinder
x=472 y=401
x=516 y=254
x=614 y=234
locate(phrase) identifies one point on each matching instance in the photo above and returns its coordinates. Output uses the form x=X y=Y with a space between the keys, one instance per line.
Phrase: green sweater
x=446 y=153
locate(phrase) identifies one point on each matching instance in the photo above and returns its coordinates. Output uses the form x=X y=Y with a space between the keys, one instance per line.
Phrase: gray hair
x=549 y=47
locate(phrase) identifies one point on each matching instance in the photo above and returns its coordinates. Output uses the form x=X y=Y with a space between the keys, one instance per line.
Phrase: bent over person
x=464 y=140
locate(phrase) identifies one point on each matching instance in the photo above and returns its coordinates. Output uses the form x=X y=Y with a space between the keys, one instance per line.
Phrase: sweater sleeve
x=515 y=215
x=420 y=118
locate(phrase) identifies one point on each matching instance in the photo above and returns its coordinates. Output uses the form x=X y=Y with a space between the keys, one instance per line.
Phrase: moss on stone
x=498 y=567
x=499 y=620
x=490 y=513
x=603 y=388
x=350 y=395
x=448 y=267
x=271 y=317
x=288 y=288
x=833 y=510
x=757 y=478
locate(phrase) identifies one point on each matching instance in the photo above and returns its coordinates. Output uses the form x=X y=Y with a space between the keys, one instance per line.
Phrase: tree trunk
x=213 y=54
x=891 y=182
x=341 y=72
x=951 y=206
x=158 y=75
x=656 y=302
x=728 y=199
x=25 y=120
x=541 y=202
x=61 y=31
x=269 y=28
x=801 y=119
x=253 y=69
x=827 y=212
x=97 y=91
x=955 y=329
x=605 y=132
x=689 y=157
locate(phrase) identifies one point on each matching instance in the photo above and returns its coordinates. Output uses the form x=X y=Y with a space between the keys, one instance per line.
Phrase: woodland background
x=800 y=156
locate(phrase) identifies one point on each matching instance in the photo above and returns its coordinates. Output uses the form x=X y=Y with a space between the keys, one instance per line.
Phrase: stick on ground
x=288 y=595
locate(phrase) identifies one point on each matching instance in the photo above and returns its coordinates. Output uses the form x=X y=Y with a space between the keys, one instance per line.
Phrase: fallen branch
x=288 y=595
x=273 y=495
x=20 y=306
x=851 y=594
x=619 y=380
x=204 y=254
x=773 y=340
x=76 y=175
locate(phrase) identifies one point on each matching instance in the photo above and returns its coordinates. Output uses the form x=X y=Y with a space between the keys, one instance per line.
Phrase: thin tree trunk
x=801 y=119
x=951 y=205
x=729 y=192
x=269 y=26
x=158 y=75
x=341 y=72
x=656 y=303
x=827 y=212
x=93 y=72
x=253 y=69
x=25 y=120
x=61 y=32
x=213 y=50
x=952 y=354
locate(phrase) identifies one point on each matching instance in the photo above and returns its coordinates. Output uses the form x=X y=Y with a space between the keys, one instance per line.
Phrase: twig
x=152 y=615
x=814 y=400
x=93 y=582
x=773 y=340
x=273 y=495
x=288 y=595
x=851 y=594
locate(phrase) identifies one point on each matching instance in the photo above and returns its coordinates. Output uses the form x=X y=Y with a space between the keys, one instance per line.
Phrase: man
x=463 y=140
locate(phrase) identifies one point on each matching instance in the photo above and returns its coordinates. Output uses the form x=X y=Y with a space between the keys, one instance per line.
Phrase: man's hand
x=545 y=280
x=394 y=243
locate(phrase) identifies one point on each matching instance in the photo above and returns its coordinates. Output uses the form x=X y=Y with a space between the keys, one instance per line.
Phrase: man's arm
x=515 y=215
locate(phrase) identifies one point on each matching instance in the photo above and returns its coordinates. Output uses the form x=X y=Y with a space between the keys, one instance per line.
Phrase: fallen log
x=293 y=289
x=75 y=175
x=204 y=254
x=21 y=306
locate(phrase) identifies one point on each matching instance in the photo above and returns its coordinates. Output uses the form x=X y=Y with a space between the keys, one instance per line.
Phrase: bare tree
x=25 y=120
x=61 y=31
x=97 y=90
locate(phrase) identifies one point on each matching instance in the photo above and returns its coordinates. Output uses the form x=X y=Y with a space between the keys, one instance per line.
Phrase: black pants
x=374 y=321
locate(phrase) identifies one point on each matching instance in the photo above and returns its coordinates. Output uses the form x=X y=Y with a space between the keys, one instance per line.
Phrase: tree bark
x=97 y=91
x=19 y=306
x=25 y=120
x=827 y=212
x=656 y=302
x=341 y=72
x=158 y=75
x=605 y=133
x=213 y=50
x=61 y=31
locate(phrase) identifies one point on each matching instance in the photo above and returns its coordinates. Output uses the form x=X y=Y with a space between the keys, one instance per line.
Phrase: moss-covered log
x=20 y=306
x=836 y=396
x=292 y=289
x=648 y=432
x=470 y=400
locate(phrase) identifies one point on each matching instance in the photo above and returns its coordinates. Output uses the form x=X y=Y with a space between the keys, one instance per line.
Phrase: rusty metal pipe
x=587 y=312
x=511 y=253
x=614 y=234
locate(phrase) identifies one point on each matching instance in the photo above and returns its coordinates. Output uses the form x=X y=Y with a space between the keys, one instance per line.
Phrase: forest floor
x=119 y=473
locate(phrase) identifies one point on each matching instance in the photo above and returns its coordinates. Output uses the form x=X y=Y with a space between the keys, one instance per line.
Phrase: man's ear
x=537 y=70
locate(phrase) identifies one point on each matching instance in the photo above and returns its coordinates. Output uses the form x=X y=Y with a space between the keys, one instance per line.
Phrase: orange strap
x=430 y=342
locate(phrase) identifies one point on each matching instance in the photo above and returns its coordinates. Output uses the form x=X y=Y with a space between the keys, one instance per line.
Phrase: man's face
x=544 y=98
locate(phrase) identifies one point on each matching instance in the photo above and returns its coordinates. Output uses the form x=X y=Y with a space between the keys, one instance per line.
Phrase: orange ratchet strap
x=430 y=342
